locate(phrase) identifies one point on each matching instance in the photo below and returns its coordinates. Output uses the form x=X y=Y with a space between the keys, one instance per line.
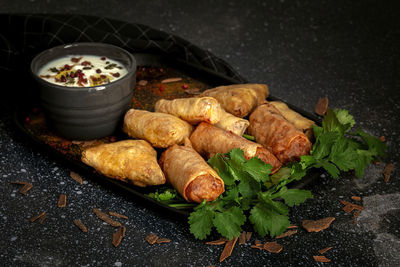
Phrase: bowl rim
x=130 y=70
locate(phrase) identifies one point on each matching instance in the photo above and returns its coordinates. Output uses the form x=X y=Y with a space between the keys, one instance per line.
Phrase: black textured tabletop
x=348 y=51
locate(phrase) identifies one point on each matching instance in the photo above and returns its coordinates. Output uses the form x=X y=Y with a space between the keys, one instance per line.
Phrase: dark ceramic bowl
x=84 y=113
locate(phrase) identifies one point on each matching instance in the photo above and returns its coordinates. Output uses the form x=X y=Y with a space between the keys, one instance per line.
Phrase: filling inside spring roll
x=274 y=132
x=190 y=174
x=193 y=109
x=239 y=99
x=209 y=140
x=160 y=129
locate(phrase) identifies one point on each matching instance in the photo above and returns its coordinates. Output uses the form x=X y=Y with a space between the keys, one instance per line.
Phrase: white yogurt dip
x=82 y=71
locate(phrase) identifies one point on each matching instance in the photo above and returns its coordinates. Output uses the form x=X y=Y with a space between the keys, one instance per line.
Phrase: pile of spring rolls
x=191 y=130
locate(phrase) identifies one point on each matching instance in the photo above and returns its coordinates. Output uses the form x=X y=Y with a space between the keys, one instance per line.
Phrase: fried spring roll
x=193 y=110
x=273 y=131
x=209 y=140
x=132 y=161
x=160 y=129
x=239 y=99
x=190 y=174
x=232 y=123
x=300 y=122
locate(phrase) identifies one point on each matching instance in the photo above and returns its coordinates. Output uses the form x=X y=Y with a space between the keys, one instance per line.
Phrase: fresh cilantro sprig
x=170 y=197
x=246 y=192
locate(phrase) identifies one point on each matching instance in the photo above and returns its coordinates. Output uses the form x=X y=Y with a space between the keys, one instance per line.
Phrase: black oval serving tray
x=169 y=66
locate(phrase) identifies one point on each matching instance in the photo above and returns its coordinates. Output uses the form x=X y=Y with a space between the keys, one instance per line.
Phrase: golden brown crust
x=133 y=161
x=232 y=123
x=193 y=109
x=239 y=99
x=160 y=129
x=274 y=132
x=185 y=169
x=300 y=122
x=209 y=140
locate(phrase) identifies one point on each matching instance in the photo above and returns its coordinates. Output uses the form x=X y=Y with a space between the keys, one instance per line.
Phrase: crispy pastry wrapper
x=160 y=129
x=273 y=131
x=209 y=140
x=232 y=123
x=132 y=161
x=193 y=109
x=239 y=99
x=300 y=122
x=190 y=174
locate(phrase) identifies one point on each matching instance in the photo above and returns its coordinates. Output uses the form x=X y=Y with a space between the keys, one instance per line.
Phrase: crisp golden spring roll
x=193 y=110
x=190 y=174
x=160 y=129
x=132 y=161
x=274 y=132
x=239 y=99
x=300 y=122
x=209 y=140
x=232 y=123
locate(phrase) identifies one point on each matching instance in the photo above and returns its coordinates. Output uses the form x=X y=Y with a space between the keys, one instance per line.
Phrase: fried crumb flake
x=117 y=215
x=387 y=171
x=217 y=242
x=317 y=225
x=242 y=238
x=118 y=235
x=151 y=238
x=163 y=240
x=34 y=218
x=25 y=188
x=76 y=177
x=355 y=216
x=321 y=259
x=349 y=207
x=356 y=198
x=103 y=216
x=80 y=225
x=322 y=106
x=248 y=236
x=286 y=234
x=171 y=80
x=324 y=250
x=229 y=245
x=62 y=201
x=273 y=247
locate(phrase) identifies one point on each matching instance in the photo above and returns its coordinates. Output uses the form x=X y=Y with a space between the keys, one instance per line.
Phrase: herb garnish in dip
x=82 y=71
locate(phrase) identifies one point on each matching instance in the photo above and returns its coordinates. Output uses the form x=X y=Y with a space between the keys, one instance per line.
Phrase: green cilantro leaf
x=229 y=222
x=201 y=222
x=258 y=169
x=296 y=196
x=248 y=186
x=323 y=144
x=345 y=118
x=218 y=163
x=343 y=155
x=375 y=145
x=266 y=220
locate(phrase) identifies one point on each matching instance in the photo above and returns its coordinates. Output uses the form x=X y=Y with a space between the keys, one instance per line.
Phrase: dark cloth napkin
x=22 y=36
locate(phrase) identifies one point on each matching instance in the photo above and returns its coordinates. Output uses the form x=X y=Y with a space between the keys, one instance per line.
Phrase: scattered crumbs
x=142 y=82
x=25 y=187
x=34 y=218
x=229 y=245
x=217 y=242
x=118 y=235
x=248 y=236
x=356 y=198
x=387 y=171
x=318 y=225
x=292 y=227
x=76 y=177
x=349 y=207
x=322 y=106
x=103 y=216
x=80 y=225
x=273 y=247
x=62 y=201
x=287 y=233
x=321 y=259
x=257 y=244
x=151 y=238
x=42 y=218
x=382 y=138
x=324 y=250
x=163 y=240
x=171 y=80
x=117 y=215
x=242 y=238
x=355 y=216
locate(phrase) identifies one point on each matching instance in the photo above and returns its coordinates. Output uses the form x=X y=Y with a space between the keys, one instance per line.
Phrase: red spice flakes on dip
x=82 y=71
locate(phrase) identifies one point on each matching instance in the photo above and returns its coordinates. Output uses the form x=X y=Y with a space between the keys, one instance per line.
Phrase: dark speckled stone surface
x=348 y=51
